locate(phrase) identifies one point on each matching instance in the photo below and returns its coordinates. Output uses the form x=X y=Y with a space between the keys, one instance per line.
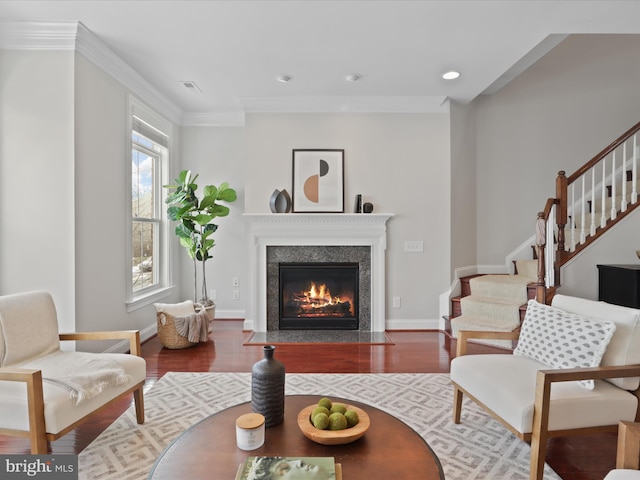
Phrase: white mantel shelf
x=330 y=229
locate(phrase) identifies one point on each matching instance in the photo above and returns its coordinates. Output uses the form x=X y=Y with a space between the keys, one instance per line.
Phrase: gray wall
x=398 y=162
x=556 y=116
x=37 y=195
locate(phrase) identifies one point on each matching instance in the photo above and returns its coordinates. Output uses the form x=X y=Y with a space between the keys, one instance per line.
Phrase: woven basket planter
x=168 y=335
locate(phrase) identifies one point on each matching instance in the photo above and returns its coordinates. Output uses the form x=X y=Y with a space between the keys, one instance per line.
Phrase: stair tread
x=498 y=300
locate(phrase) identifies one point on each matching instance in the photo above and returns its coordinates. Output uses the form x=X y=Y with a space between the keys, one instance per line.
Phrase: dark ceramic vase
x=267 y=388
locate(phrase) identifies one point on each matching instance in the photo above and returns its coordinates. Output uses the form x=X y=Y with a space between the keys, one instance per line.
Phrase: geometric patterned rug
x=479 y=448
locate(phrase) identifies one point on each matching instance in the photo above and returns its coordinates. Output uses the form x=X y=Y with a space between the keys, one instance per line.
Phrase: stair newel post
x=541 y=240
x=561 y=216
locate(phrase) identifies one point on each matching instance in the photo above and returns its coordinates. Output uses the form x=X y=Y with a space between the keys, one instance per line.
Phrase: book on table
x=272 y=467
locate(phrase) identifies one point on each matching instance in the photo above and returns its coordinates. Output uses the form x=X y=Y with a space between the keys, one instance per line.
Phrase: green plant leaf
x=202 y=218
x=186 y=242
x=207 y=202
x=208 y=229
x=182 y=231
x=218 y=210
x=211 y=191
x=188 y=224
x=227 y=194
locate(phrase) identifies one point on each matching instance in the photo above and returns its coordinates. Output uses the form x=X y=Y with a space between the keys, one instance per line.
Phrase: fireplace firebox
x=318 y=296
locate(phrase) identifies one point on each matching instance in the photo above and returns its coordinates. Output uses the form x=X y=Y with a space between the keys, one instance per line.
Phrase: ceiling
x=234 y=50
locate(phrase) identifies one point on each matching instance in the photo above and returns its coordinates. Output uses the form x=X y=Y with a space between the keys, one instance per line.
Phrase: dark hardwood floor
x=576 y=458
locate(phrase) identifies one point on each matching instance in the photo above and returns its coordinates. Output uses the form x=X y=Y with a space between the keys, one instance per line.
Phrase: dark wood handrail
x=616 y=143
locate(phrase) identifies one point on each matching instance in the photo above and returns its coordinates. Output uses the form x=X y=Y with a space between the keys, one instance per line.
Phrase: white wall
x=463 y=189
x=63 y=158
x=37 y=198
x=102 y=156
x=398 y=162
x=556 y=116
x=219 y=155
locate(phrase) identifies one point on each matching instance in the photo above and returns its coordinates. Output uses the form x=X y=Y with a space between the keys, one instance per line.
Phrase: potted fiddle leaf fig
x=195 y=223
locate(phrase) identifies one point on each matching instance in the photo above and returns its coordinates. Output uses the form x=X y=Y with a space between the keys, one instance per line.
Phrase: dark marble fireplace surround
x=319 y=254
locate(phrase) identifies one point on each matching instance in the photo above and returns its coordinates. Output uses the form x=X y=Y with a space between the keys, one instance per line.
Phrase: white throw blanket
x=83 y=374
x=194 y=327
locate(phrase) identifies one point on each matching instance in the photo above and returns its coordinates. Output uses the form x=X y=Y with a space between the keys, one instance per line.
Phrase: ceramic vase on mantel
x=267 y=388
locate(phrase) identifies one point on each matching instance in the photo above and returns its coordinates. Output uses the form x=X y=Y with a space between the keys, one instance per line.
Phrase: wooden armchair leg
x=138 y=398
x=35 y=402
x=538 y=453
x=457 y=404
x=539 y=434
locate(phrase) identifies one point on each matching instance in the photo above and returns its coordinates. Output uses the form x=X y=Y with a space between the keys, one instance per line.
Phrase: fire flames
x=317 y=300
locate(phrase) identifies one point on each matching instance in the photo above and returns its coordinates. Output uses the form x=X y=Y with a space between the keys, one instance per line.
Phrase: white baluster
x=550 y=248
x=583 y=205
x=572 y=222
x=614 y=212
x=623 y=202
x=634 y=178
x=592 y=227
x=603 y=219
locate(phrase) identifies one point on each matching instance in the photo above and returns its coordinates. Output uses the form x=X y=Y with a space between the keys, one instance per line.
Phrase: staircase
x=494 y=302
x=587 y=204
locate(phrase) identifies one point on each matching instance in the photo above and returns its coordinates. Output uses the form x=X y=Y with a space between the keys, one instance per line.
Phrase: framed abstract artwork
x=318 y=181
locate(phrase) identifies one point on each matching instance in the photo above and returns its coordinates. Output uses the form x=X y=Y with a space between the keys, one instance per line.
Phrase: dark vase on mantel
x=267 y=388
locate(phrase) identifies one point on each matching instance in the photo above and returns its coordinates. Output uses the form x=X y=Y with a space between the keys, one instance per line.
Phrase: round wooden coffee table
x=390 y=449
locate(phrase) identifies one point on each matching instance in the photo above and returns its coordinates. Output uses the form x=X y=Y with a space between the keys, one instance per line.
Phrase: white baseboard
x=145 y=334
x=413 y=324
x=234 y=314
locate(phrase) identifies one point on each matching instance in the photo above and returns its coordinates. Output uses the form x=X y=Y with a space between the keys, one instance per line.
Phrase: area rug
x=479 y=448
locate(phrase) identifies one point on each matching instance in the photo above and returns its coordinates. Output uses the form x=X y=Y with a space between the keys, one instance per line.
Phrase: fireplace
x=317 y=237
x=321 y=296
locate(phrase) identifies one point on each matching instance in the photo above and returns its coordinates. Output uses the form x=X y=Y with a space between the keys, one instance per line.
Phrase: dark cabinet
x=619 y=284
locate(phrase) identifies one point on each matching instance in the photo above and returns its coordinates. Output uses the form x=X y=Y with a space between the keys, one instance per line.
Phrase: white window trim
x=165 y=287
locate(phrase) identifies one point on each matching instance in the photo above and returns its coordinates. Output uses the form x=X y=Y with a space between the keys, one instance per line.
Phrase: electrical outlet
x=416 y=246
x=235 y=281
x=236 y=295
x=213 y=295
x=396 y=302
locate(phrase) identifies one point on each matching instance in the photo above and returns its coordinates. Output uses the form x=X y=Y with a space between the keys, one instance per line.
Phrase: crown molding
x=38 y=35
x=74 y=36
x=346 y=104
x=229 y=118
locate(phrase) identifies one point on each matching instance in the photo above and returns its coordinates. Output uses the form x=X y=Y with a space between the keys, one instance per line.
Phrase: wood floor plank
x=574 y=458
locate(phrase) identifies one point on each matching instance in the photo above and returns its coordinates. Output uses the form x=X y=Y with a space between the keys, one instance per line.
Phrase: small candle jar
x=250 y=431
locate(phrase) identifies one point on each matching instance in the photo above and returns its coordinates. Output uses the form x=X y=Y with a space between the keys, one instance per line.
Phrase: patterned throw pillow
x=563 y=340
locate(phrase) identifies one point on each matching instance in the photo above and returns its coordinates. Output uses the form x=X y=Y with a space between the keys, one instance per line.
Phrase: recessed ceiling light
x=353 y=77
x=283 y=78
x=452 y=75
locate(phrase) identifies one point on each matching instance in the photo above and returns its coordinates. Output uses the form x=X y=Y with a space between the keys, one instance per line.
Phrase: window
x=145 y=215
x=148 y=255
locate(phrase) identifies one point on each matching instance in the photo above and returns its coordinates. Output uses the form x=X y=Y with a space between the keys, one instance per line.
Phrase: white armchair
x=45 y=392
x=530 y=392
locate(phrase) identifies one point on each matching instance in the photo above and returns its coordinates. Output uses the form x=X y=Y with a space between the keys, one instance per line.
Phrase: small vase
x=267 y=388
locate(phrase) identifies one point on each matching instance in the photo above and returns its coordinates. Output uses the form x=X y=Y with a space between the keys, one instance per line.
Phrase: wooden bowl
x=333 y=437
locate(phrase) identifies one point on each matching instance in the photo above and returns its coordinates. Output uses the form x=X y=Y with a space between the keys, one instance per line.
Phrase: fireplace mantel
x=328 y=229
